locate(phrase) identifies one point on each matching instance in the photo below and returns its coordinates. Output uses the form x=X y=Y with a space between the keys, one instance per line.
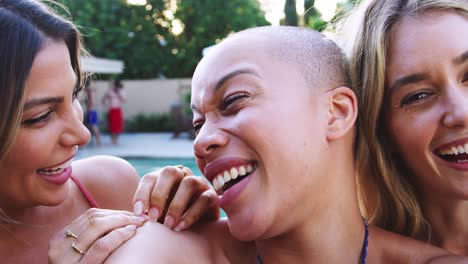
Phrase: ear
x=342 y=112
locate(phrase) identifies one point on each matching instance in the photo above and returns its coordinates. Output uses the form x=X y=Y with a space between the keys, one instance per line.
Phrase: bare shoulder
x=153 y=242
x=218 y=235
x=388 y=247
x=111 y=181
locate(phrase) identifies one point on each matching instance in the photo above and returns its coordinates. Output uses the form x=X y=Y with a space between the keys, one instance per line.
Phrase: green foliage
x=290 y=13
x=150 y=123
x=310 y=12
x=343 y=8
x=316 y=22
x=206 y=23
x=143 y=36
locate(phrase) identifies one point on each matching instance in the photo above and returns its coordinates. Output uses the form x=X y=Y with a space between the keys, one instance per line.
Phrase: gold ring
x=182 y=168
x=69 y=233
x=77 y=249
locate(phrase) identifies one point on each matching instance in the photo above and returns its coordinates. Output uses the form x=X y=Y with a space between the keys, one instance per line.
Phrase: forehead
x=242 y=53
x=433 y=33
x=51 y=69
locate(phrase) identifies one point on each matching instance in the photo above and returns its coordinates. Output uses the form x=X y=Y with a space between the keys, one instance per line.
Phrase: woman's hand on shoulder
x=175 y=197
x=93 y=236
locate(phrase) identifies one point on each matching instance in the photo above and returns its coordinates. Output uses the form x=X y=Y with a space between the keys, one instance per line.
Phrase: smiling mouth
x=458 y=153
x=230 y=177
x=55 y=170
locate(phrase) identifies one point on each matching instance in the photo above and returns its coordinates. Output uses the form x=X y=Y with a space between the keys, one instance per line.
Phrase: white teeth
x=234 y=173
x=242 y=171
x=52 y=172
x=57 y=169
x=231 y=174
x=455 y=150
x=220 y=180
x=215 y=183
x=226 y=176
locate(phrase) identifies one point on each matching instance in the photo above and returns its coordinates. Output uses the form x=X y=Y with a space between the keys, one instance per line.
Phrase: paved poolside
x=157 y=145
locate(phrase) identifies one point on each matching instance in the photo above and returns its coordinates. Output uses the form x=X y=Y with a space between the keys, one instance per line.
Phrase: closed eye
x=39 y=119
x=231 y=99
x=196 y=128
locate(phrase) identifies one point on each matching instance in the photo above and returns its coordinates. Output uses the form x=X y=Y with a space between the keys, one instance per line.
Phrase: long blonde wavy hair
x=387 y=195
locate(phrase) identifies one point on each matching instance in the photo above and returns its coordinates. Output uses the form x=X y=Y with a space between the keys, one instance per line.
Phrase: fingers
x=103 y=247
x=98 y=224
x=194 y=193
x=73 y=242
x=143 y=192
x=156 y=188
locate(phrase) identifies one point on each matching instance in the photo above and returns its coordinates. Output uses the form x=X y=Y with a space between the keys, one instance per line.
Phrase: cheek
x=412 y=133
x=26 y=148
x=200 y=164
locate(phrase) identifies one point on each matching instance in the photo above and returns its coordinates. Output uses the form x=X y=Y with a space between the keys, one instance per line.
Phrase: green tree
x=310 y=12
x=343 y=8
x=290 y=13
x=206 y=22
x=146 y=38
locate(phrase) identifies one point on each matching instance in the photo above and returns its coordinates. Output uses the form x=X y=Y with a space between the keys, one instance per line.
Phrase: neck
x=330 y=232
x=448 y=222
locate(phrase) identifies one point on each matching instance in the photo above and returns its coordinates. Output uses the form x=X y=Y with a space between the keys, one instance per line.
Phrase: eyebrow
x=41 y=101
x=231 y=75
x=412 y=78
x=461 y=59
x=227 y=77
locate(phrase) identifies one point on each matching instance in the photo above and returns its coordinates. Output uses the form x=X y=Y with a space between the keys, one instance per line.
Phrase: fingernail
x=145 y=217
x=130 y=228
x=140 y=219
x=180 y=226
x=169 y=221
x=138 y=208
x=153 y=214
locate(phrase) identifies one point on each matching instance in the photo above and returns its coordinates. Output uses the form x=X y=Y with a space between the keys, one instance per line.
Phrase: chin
x=57 y=197
x=247 y=229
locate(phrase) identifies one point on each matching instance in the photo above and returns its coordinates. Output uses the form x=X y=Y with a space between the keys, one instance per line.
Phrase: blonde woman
x=409 y=63
x=42 y=190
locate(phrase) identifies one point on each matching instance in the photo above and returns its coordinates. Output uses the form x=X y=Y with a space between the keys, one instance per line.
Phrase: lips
x=455 y=152
x=223 y=174
x=57 y=174
x=229 y=177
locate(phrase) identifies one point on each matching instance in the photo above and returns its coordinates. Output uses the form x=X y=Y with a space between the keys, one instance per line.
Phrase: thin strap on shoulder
x=85 y=192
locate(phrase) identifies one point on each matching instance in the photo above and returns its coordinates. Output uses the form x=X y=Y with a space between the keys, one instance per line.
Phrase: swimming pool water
x=144 y=165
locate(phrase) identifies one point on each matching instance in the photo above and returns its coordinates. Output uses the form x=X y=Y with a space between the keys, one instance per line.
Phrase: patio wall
x=147 y=96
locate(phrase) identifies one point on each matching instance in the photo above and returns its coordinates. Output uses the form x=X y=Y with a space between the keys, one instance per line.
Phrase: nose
x=209 y=139
x=456 y=114
x=75 y=132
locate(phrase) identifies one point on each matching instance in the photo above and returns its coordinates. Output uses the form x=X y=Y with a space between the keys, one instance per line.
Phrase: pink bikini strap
x=85 y=192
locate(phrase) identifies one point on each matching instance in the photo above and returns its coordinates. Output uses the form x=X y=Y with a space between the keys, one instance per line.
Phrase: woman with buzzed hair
x=277 y=144
x=409 y=63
